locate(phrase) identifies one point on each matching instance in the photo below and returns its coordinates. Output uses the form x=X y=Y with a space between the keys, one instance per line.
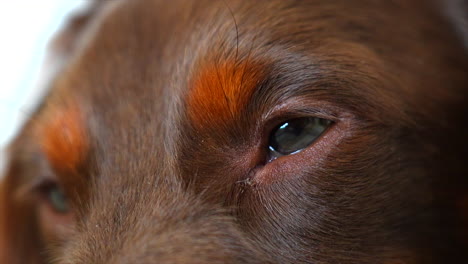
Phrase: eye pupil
x=296 y=134
x=58 y=200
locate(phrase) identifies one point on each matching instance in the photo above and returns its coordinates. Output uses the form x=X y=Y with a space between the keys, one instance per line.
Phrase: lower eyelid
x=290 y=166
x=54 y=225
x=52 y=221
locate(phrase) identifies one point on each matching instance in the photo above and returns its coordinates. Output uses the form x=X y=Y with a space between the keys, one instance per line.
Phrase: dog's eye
x=57 y=199
x=55 y=214
x=296 y=134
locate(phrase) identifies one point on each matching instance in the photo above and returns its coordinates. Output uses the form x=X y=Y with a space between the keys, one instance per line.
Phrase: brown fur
x=167 y=177
x=62 y=138
x=208 y=105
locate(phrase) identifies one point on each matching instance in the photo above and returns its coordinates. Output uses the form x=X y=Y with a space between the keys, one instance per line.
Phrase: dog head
x=245 y=132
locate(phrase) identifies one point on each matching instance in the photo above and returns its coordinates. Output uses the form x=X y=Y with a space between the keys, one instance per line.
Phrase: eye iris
x=296 y=134
x=58 y=200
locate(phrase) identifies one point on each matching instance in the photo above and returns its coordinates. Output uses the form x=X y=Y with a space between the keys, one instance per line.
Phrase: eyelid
x=25 y=190
x=283 y=168
x=306 y=107
x=37 y=177
x=274 y=154
x=34 y=189
x=275 y=119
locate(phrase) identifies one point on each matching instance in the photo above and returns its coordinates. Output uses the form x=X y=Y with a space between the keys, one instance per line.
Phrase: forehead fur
x=221 y=91
x=62 y=137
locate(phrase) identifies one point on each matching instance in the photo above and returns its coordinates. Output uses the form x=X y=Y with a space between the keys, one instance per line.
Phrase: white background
x=26 y=26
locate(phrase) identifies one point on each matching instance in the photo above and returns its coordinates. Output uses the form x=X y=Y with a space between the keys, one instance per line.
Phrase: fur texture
x=157 y=131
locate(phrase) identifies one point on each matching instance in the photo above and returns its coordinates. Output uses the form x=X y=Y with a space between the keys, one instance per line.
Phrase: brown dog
x=319 y=131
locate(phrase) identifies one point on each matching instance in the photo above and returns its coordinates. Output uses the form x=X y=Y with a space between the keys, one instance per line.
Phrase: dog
x=247 y=132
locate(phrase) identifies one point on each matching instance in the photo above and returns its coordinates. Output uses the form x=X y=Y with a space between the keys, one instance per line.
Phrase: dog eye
x=57 y=199
x=294 y=135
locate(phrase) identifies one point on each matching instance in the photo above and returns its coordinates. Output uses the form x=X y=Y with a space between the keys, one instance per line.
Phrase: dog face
x=245 y=132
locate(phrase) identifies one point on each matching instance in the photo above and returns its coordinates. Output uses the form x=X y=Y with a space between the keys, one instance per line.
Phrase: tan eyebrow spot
x=63 y=138
x=220 y=92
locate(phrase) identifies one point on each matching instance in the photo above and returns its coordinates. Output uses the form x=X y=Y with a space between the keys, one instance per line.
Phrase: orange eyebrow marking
x=220 y=92
x=63 y=138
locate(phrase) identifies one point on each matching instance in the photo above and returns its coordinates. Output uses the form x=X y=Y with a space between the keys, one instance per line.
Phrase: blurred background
x=26 y=26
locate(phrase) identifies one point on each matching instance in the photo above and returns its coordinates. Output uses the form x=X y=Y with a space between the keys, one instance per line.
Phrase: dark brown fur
x=157 y=185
